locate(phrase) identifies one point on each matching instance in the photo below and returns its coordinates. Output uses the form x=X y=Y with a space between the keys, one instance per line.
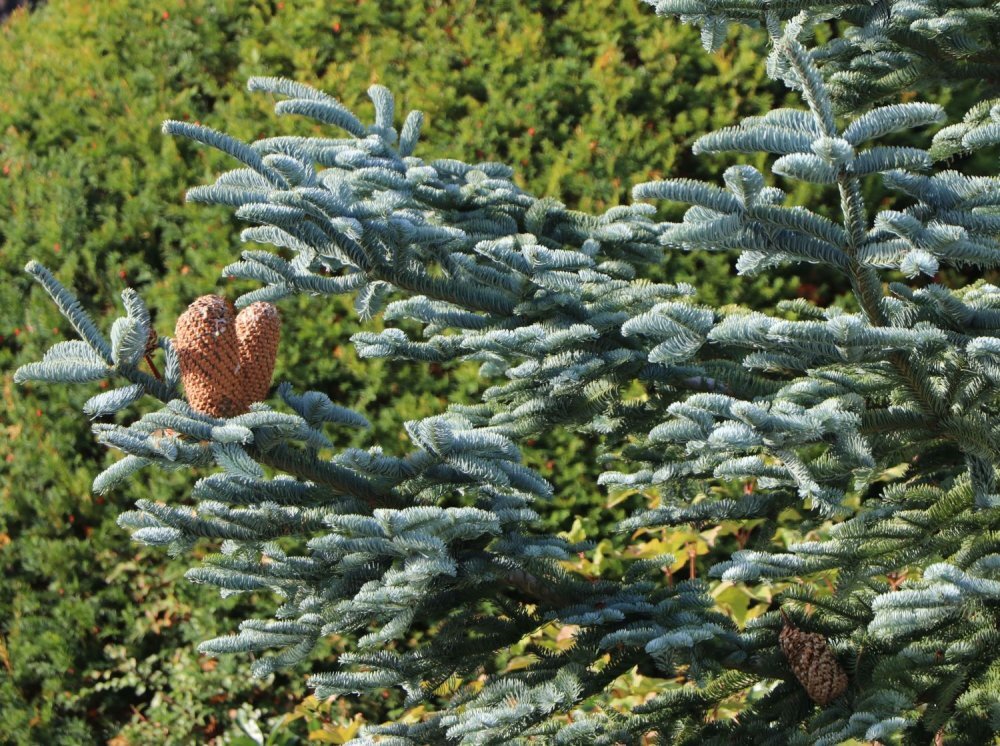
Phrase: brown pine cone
x=209 y=356
x=815 y=666
x=226 y=360
x=258 y=330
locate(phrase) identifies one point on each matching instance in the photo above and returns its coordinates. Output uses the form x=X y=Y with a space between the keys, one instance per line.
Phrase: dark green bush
x=584 y=98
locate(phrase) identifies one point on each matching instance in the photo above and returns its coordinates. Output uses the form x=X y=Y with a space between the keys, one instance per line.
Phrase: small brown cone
x=209 y=356
x=226 y=360
x=815 y=666
x=258 y=329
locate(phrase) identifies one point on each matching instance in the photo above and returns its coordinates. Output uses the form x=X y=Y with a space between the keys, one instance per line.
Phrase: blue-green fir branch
x=70 y=307
x=879 y=51
x=93 y=358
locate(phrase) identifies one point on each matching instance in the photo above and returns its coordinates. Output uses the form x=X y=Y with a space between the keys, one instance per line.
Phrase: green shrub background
x=584 y=97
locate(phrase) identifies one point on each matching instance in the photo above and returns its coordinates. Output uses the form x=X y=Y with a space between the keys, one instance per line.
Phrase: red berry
x=166 y=15
x=336 y=27
x=531 y=131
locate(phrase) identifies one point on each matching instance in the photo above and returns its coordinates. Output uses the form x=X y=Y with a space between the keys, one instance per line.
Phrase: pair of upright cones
x=226 y=359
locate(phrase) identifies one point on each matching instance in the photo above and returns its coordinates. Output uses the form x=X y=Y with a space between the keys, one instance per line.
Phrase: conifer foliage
x=877 y=423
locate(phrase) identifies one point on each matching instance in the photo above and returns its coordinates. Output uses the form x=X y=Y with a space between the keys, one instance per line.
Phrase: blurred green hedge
x=584 y=98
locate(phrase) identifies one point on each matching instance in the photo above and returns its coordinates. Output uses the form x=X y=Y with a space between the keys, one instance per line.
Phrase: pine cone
x=813 y=663
x=226 y=360
x=258 y=330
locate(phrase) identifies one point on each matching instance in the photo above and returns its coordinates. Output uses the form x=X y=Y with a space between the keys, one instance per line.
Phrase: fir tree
x=876 y=423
